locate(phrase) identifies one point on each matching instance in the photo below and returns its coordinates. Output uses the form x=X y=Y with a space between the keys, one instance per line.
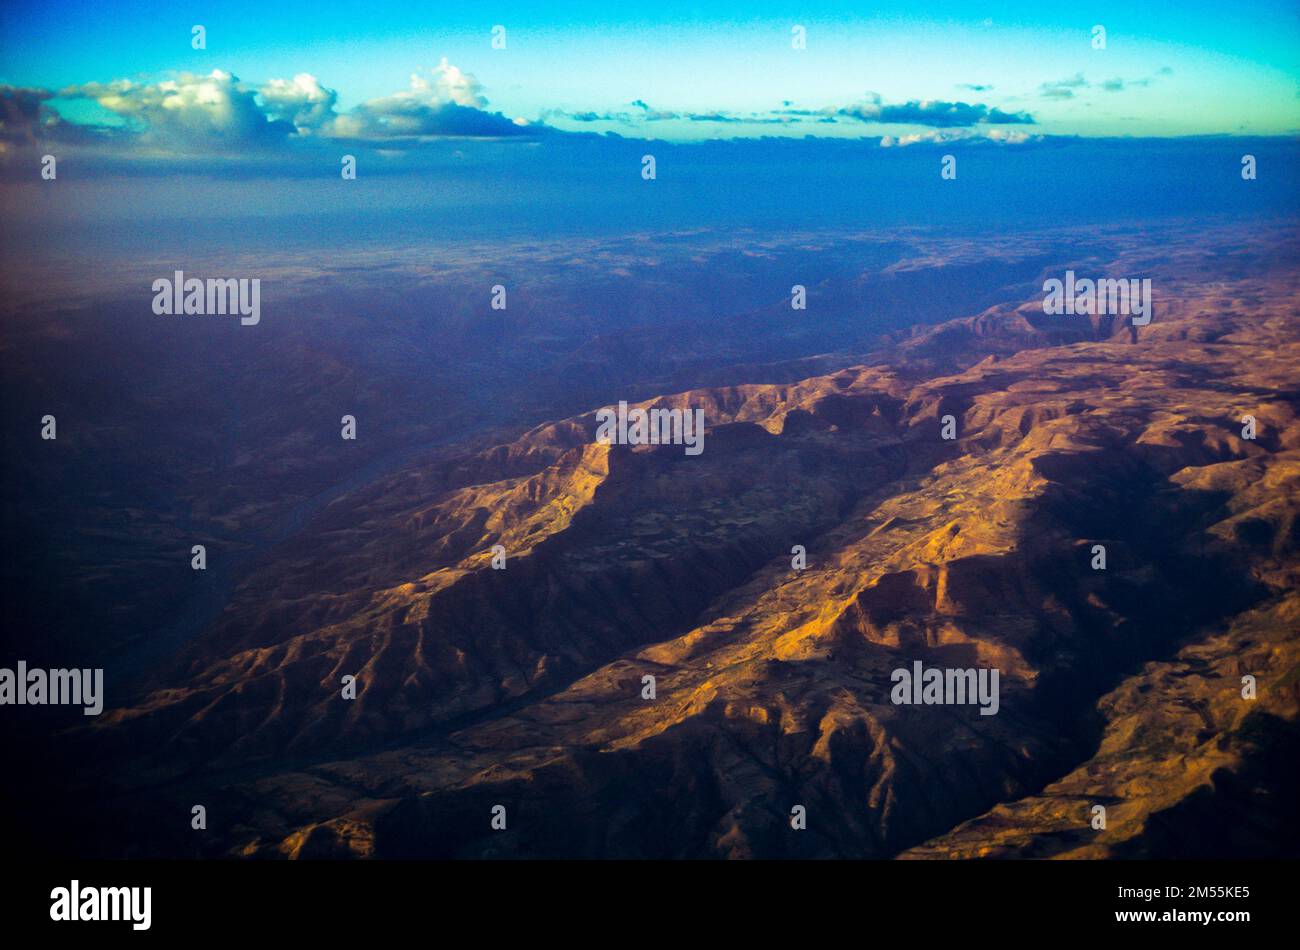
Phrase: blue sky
x=164 y=150
x=688 y=71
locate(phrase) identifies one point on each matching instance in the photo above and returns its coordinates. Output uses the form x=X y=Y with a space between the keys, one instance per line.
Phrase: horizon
x=1012 y=73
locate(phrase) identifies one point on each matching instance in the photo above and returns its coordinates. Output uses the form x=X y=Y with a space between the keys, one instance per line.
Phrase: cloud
x=647 y=114
x=441 y=102
x=413 y=121
x=446 y=102
x=217 y=113
x=933 y=113
x=27 y=120
x=1063 y=88
x=1119 y=85
x=303 y=101
x=190 y=116
x=714 y=117
x=22 y=114
x=208 y=112
x=944 y=136
x=444 y=85
x=586 y=116
x=653 y=115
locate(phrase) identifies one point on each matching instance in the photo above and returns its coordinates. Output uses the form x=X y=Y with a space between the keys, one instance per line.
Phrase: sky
x=161 y=145
x=674 y=71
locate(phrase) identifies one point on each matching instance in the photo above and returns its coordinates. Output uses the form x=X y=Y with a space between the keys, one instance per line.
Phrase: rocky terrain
x=524 y=687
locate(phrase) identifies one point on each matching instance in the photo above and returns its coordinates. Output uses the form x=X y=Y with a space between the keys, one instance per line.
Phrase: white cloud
x=941 y=136
x=445 y=101
x=201 y=112
x=209 y=109
x=302 y=101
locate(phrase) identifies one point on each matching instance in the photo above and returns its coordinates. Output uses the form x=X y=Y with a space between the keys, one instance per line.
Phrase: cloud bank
x=217 y=112
x=199 y=115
